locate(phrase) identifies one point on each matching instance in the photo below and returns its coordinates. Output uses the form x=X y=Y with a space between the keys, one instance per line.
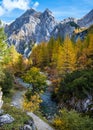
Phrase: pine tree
x=67 y=57
x=50 y=47
x=90 y=52
x=80 y=56
x=55 y=53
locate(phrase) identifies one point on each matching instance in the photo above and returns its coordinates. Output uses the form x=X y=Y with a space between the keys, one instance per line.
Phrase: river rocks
x=6 y=119
x=28 y=125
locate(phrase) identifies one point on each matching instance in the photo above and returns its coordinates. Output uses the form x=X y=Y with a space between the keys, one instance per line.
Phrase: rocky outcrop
x=6 y=119
x=80 y=35
x=83 y=34
x=80 y=105
x=28 y=125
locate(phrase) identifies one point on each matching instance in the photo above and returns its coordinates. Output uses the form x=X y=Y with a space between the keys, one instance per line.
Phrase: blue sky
x=11 y=9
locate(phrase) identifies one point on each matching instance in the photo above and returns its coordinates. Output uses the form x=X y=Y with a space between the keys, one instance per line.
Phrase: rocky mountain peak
x=87 y=20
x=31 y=12
x=48 y=12
x=31 y=26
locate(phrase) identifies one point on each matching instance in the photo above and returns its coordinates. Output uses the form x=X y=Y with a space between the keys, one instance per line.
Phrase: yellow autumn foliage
x=33 y=104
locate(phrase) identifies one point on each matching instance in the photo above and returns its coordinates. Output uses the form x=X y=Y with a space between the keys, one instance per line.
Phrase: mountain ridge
x=35 y=27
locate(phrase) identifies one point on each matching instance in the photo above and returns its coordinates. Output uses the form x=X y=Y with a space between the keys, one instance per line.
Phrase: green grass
x=40 y=115
x=19 y=116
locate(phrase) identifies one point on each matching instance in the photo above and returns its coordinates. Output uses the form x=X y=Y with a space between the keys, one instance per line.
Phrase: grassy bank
x=19 y=115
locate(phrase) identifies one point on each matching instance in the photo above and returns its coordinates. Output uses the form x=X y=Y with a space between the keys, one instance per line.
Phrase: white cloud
x=9 y=5
x=36 y=4
x=12 y=4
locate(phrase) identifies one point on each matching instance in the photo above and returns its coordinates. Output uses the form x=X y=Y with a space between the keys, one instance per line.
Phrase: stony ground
x=17 y=99
x=40 y=124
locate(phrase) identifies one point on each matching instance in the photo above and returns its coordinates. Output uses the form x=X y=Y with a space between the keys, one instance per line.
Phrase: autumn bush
x=36 y=79
x=31 y=102
x=71 y=120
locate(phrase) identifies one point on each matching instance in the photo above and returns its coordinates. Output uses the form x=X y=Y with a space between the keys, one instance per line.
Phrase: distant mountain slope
x=65 y=28
x=35 y=26
x=84 y=33
x=87 y=20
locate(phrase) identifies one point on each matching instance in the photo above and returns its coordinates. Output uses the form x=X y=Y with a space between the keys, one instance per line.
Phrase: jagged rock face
x=35 y=26
x=21 y=31
x=87 y=20
x=31 y=26
x=45 y=27
x=69 y=19
x=81 y=105
x=64 y=29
